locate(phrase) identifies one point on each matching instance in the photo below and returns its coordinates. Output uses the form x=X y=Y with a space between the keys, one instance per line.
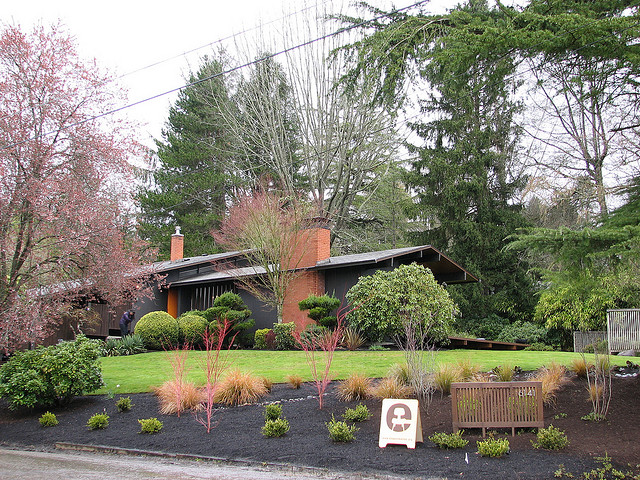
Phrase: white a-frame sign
x=400 y=423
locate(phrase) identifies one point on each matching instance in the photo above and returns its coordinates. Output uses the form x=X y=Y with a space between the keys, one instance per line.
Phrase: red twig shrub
x=214 y=366
x=319 y=349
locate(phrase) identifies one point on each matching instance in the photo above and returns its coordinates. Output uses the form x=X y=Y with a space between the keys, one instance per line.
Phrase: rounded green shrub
x=358 y=414
x=260 y=339
x=272 y=411
x=493 y=447
x=449 y=440
x=158 y=330
x=124 y=404
x=275 y=428
x=150 y=425
x=550 y=438
x=192 y=329
x=48 y=419
x=339 y=431
x=98 y=421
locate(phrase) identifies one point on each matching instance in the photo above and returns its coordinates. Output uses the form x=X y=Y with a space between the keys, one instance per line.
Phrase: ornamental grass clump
x=581 y=367
x=98 y=421
x=444 y=377
x=339 y=431
x=175 y=396
x=552 y=378
x=150 y=425
x=449 y=440
x=467 y=370
x=295 y=381
x=504 y=373
x=391 y=388
x=355 y=387
x=239 y=388
x=48 y=419
x=400 y=372
x=358 y=414
x=550 y=438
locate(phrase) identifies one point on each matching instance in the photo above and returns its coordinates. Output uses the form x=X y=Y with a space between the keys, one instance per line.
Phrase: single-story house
x=193 y=283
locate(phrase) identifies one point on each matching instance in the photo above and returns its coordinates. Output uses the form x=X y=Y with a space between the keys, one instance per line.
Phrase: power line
x=211 y=77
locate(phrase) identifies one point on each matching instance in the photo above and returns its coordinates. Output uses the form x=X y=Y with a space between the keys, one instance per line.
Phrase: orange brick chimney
x=312 y=246
x=177 y=245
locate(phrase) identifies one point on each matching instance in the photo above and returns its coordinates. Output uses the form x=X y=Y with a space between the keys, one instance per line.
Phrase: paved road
x=20 y=465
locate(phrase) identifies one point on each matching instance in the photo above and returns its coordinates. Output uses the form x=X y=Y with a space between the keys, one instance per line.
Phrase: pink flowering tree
x=65 y=185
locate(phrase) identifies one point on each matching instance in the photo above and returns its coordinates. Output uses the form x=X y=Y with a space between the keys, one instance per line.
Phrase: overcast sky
x=146 y=40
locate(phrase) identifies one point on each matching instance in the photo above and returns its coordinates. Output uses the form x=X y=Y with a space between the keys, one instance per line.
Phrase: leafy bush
x=449 y=440
x=358 y=414
x=124 y=404
x=284 y=335
x=385 y=298
x=294 y=380
x=51 y=375
x=275 y=428
x=272 y=411
x=48 y=419
x=355 y=387
x=520 y=331
x=339 y=431
x=539 y=347
x=150 y=425
x=601 y=346
x=260 y=339
x=489 y=327
x=192 y=329
x=158 y=330
x=492 y=447
x=98 y=421
x=239 y=388
x=550 y=438
x=312 y=332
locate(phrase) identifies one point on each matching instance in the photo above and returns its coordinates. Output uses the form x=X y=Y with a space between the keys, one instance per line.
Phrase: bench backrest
x=496 y=405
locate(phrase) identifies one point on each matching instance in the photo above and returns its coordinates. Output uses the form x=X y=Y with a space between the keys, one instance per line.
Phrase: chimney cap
x=177 y=230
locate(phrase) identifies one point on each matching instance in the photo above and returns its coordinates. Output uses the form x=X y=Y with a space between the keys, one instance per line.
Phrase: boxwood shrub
x=158 y=330
x=192 y=329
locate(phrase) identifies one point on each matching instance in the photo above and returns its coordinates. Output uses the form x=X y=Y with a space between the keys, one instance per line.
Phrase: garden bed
x=237 y=434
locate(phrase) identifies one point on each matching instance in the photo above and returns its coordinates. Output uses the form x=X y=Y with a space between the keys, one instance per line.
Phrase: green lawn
x=140 y=373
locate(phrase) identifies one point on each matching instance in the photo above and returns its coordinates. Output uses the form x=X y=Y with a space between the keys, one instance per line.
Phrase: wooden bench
x=496 y=405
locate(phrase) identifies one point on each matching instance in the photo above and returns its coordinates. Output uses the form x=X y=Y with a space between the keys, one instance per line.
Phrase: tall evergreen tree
x=193 y=175
x=463 y=177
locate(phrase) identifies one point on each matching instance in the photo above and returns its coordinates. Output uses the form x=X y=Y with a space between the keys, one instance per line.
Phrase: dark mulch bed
x=237 y=435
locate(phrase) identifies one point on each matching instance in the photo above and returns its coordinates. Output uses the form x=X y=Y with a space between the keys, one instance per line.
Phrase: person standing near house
x=126 y=319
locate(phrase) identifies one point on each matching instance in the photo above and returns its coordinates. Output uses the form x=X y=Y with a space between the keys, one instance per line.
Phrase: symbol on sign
x=398 y=417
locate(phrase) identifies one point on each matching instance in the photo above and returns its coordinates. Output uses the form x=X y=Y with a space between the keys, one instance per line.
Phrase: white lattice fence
x=623 y=329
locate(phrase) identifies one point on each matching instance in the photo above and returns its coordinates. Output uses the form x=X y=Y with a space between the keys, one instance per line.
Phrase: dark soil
x=237 y=435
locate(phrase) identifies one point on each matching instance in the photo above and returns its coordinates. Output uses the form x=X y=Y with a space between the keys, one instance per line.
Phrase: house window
x=204 y=296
